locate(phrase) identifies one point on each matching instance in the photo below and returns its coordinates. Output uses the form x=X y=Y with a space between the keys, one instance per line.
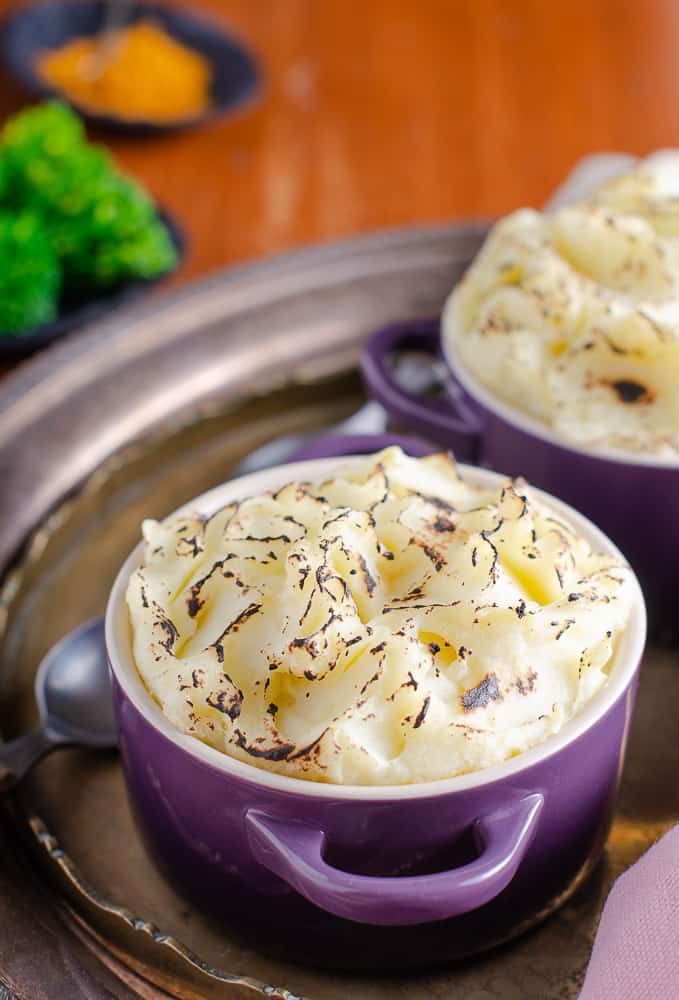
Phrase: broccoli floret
x=56 y=187
x=30 y=275
x=35 y=145
x=50 y=129
x=145 y=253
x=103 y=225
x=115 y=237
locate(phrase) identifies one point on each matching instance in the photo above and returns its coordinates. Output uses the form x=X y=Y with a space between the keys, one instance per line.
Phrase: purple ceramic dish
x=633 y=498
x=388 y=877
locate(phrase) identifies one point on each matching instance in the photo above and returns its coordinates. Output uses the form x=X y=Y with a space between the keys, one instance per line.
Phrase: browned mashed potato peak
x=390 y=624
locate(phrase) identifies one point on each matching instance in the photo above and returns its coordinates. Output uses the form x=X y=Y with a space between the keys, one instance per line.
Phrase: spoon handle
x=115 y=19
x=19 y=756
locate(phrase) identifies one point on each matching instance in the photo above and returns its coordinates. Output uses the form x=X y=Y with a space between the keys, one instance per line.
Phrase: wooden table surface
x=387 y=112
x=378 y=113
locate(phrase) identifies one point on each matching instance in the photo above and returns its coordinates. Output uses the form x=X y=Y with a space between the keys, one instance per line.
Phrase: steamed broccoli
x=143 y=253
x=102 y=226
x=117 y=215
x=48 y=130
x=30 y=275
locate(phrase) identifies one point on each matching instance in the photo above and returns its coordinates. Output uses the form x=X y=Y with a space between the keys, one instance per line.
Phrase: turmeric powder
x=151 y=76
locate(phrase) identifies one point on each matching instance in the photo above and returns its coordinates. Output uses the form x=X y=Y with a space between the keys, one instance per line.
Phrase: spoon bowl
x=73 y=689
x=73 y=693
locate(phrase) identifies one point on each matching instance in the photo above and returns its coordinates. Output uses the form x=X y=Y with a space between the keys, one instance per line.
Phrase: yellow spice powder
x=150 y=75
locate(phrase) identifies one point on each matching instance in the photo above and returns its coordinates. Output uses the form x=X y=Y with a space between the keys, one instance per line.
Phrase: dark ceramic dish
x=633 y=498
x=30 y=31
x=384 y=877
x=75 y=313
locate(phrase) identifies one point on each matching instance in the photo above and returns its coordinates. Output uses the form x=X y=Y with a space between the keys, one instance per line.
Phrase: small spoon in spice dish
x=142 y=68
x=109 y=39
x=73 y=692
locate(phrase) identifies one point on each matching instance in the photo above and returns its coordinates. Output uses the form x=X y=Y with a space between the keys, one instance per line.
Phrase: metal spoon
x=109 y=38
x=73 y=692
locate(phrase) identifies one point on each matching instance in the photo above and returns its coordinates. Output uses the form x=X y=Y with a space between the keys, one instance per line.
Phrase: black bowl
x=29 y=31
x=76 y=312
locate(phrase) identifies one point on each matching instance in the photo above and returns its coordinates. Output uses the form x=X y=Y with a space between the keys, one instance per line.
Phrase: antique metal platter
x=130 y=420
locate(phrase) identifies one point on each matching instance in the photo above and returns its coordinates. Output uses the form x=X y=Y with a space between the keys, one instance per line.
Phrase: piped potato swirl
x=392 y=624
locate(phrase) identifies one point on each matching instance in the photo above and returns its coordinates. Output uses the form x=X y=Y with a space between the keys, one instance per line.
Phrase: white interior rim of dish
x=531 y=425
x=626 y=658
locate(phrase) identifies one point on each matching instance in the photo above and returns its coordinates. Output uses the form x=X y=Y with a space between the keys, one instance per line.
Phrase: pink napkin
x=636 y=951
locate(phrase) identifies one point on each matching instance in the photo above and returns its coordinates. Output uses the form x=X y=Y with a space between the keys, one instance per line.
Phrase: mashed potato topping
x=391 y=624
x=573 y=316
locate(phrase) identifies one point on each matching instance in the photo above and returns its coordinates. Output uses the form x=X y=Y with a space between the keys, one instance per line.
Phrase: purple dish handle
x=332 y=445
x=450 y=422
x=294 y=851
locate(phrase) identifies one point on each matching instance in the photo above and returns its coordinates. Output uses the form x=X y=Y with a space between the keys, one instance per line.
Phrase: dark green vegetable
x=30 y=275
x=117 y=214
x=143 y=253
x=47 y=133
x=102 y=226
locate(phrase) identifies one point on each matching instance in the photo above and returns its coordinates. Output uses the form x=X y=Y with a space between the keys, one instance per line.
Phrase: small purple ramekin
x=633 y=498
x=387 y=877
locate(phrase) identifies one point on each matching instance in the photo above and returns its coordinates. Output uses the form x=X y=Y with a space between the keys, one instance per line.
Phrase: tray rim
x=38 y=400
x=90 y=338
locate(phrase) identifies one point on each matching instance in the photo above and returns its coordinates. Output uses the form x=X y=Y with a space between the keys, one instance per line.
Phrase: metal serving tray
x=133 y=418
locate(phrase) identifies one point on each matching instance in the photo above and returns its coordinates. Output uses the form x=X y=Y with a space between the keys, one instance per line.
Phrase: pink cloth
x=636 y=951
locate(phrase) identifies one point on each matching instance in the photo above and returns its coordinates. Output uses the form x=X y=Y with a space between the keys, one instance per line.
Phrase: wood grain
x=393 y=111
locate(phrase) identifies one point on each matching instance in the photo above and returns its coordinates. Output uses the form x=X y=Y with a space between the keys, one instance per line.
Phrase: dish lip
x=172 y=19
x=626 y=658
x=486 y=398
